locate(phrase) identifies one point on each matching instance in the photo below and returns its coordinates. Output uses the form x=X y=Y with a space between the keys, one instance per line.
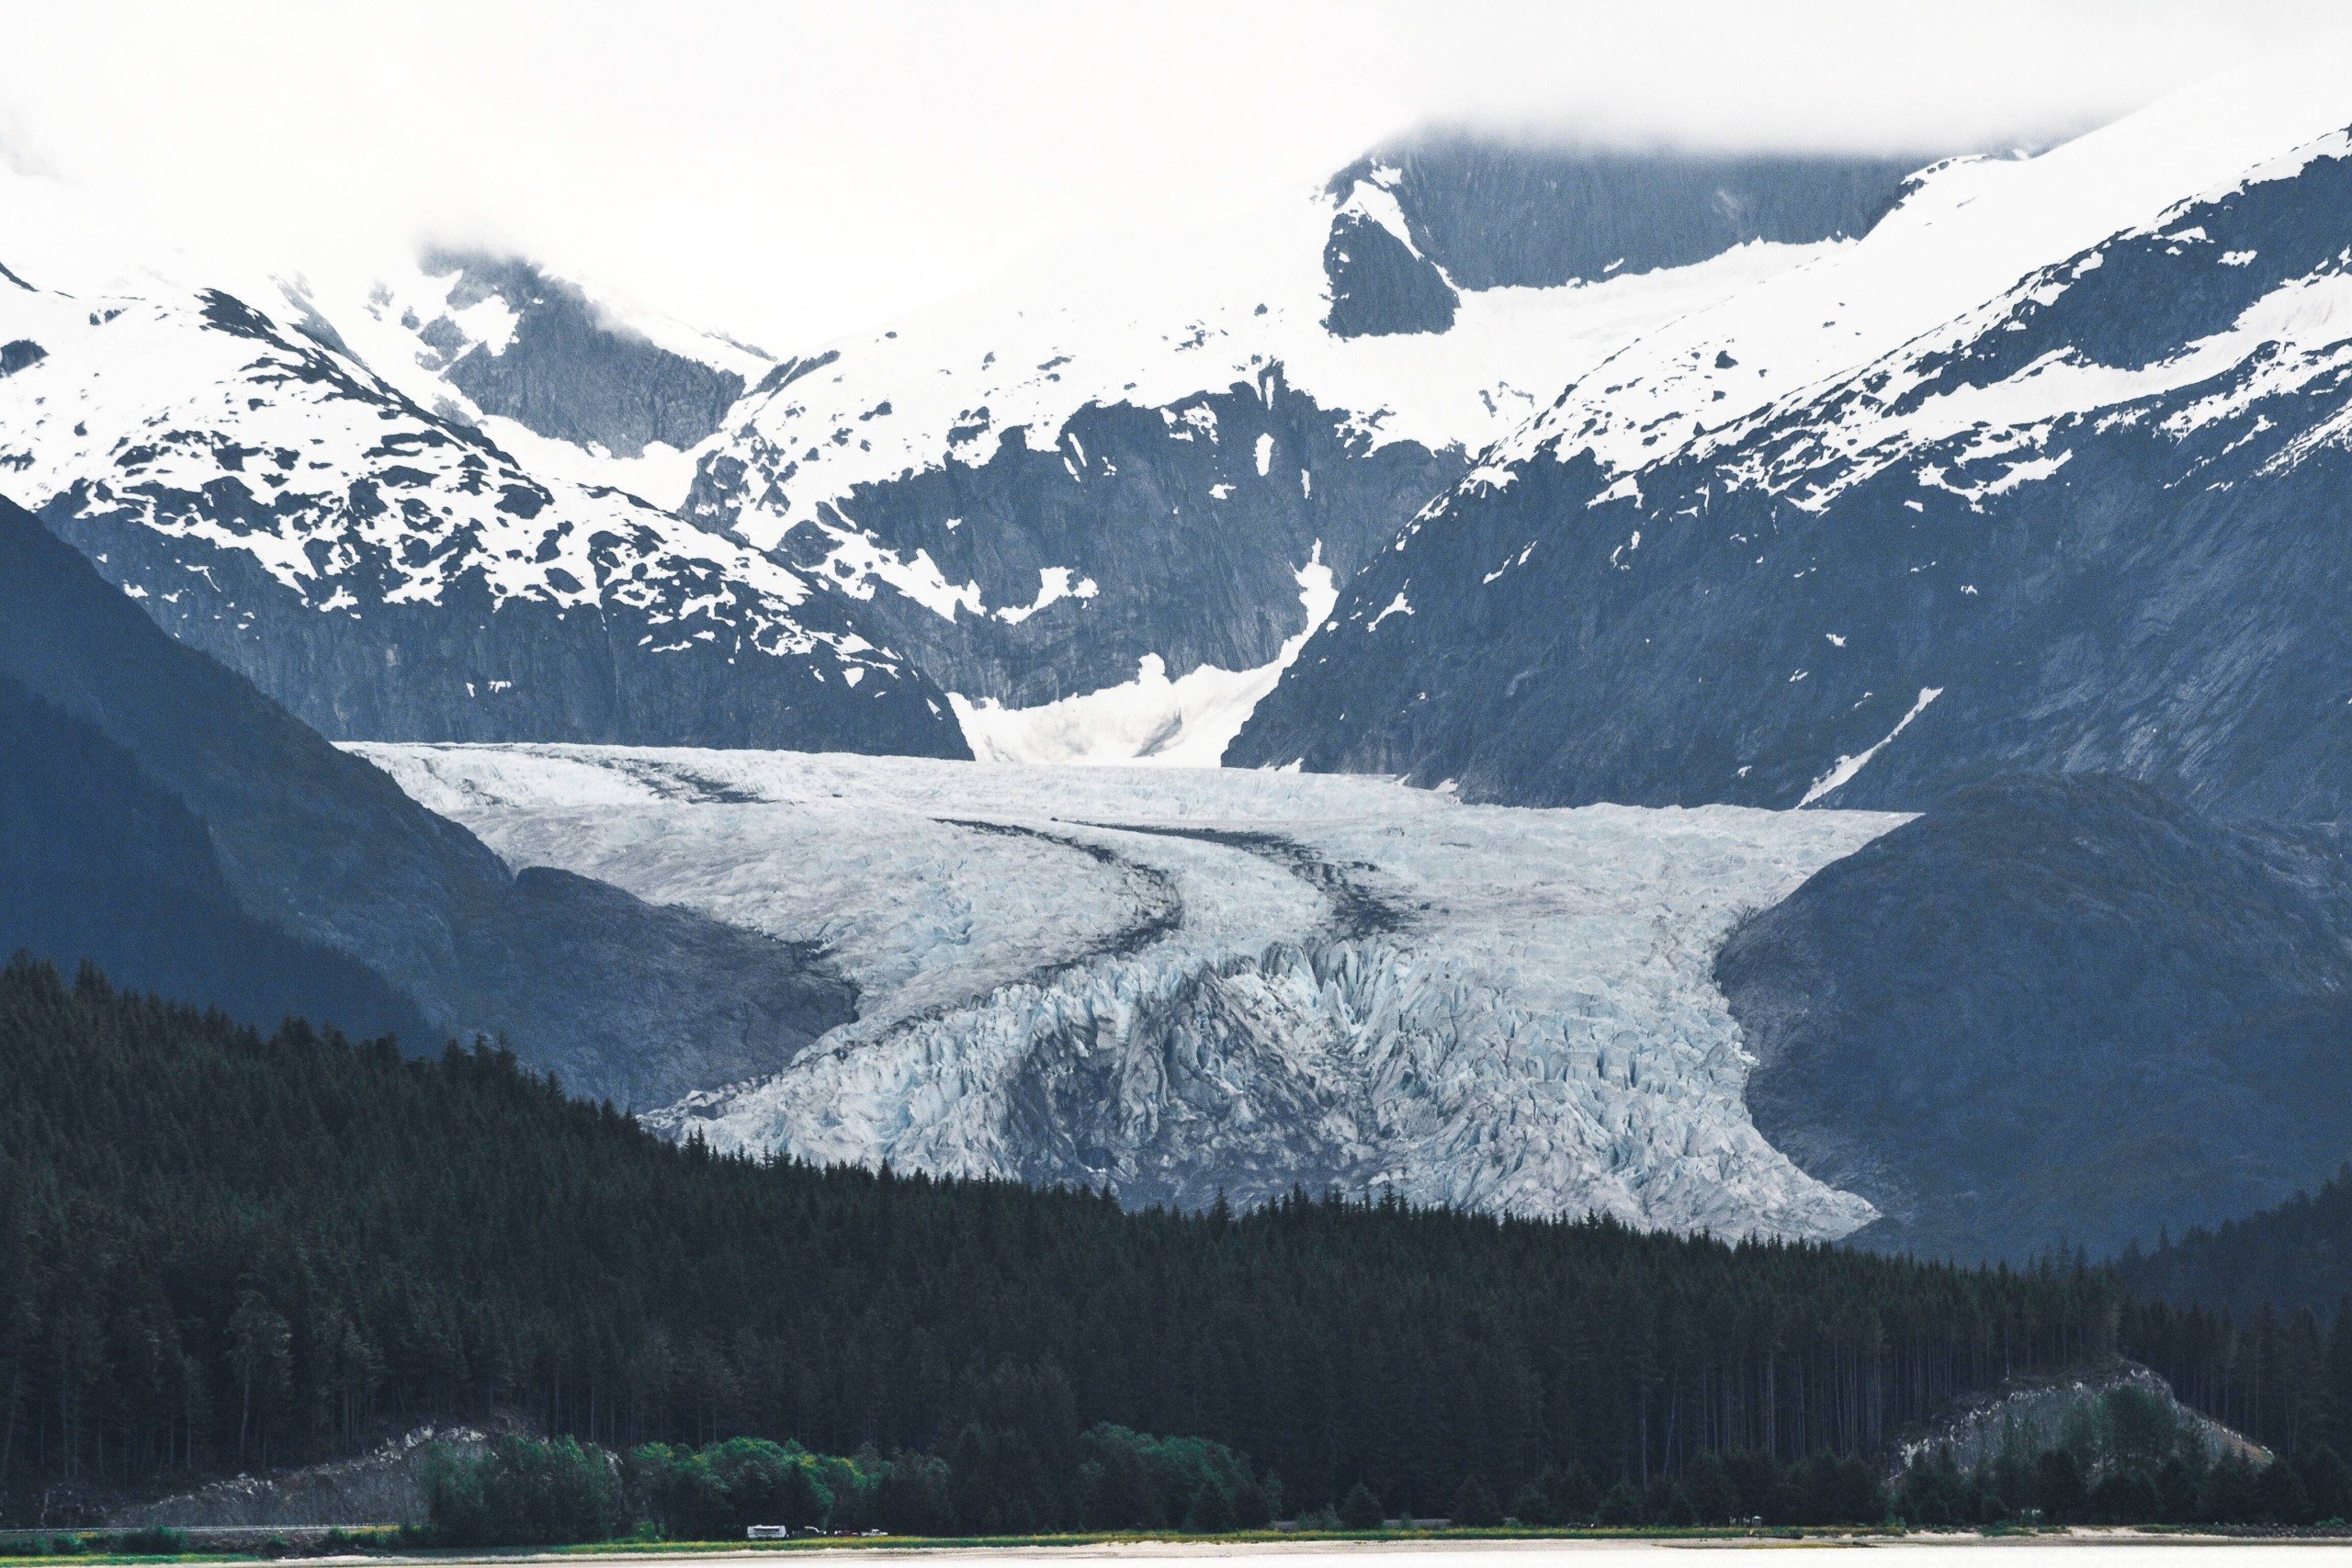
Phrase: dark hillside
x=221 y=1250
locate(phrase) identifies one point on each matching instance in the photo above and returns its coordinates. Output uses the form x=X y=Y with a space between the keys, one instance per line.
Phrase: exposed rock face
x=290 y=478
x=1205 y=510
x=417 y=507
x=2052 y=1013
x=568 y=371
x=624 y=999
x=2096 y=524
x=1185 y=983
x=1380 y=284
x=1509 y=214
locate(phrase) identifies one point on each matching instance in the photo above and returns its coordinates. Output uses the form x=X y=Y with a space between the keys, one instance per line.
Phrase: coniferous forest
x=222 y=1250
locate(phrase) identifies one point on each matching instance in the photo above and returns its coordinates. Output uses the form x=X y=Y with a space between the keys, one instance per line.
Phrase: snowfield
x=1180 y=981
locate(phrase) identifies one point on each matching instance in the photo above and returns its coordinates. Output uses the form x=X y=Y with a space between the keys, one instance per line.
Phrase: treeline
x=2295 y=1256
x=2121 y=1459
x=520 y=1490
x=221 y=1250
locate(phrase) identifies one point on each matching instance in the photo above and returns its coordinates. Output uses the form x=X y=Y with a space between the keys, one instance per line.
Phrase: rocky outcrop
x=2029 y=1415
x=382 y=1486
x=1497 y=214
x=1064 y=559
x=1111 y=475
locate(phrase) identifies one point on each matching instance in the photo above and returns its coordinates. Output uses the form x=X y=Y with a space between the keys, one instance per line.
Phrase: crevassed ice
x=1179 y=982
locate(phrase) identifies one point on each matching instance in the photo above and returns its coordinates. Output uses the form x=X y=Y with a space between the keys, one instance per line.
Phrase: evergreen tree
x=2228 y=1495
x=2278 y=1497
x=224 y=1249
x=2180 y=1484
x=1474 y=1505
x=1620 y=1506
x=1664 y=1502
x=2124 y=1497
x=2056 y=1486
x=1713 y=1499
x=2327 y=1483
x=1359 y=1510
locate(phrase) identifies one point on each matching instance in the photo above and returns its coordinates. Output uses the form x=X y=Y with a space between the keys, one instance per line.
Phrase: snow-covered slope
x=381 y=568
x=2044 y=473
x=576 y=382
x=1068 y=496
x=1183 y=981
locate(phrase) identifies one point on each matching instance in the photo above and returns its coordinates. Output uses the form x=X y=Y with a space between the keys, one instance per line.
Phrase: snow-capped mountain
x=384 y=569
x=1103 y=502
x=1182 y=983
x=2045 y=473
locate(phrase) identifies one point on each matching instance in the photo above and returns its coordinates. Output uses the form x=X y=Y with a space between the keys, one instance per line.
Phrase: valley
x=1501 y=822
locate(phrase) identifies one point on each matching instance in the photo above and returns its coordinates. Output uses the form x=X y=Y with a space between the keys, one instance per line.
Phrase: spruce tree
x=1474 y=1505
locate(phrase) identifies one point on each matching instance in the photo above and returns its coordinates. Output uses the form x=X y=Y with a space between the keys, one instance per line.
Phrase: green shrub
x=1359 y=1510
x=1560 y=1496
x=1129 y=1480
x=155 y=1540
x=1475 y=1506
x=911 y=1496
x=520 y=1492
x=718 y=1491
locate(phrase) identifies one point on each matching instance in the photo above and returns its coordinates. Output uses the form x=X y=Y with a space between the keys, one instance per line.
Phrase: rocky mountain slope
x=384 y=568
x=1104 y=501
x=623 y=998
x=577 y=383
x=97 y=862
x=2045 y=473
x=1181 y=983
x=2054 y=1012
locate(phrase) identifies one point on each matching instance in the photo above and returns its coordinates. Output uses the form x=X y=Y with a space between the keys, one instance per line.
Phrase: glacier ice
x=1176 y=983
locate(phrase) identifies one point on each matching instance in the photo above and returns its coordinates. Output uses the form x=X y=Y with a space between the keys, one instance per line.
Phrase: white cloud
x=790 y=172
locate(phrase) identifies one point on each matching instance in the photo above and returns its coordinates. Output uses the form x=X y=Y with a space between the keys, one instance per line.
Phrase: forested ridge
x=224 y=1250
x=2296 y=1254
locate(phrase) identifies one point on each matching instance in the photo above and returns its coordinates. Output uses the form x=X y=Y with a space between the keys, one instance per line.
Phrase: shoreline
x=2108 y=1537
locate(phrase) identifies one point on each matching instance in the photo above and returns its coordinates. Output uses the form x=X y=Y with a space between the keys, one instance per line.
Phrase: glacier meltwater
x=1176 y=983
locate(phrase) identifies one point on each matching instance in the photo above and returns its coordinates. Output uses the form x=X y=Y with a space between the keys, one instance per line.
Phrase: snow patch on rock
x=1186 y=722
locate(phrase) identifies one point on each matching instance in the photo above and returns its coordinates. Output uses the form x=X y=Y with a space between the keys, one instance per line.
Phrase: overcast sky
x=792 y=171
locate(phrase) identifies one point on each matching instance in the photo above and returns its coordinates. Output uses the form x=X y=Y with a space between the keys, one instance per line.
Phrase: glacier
x=1181 y=983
